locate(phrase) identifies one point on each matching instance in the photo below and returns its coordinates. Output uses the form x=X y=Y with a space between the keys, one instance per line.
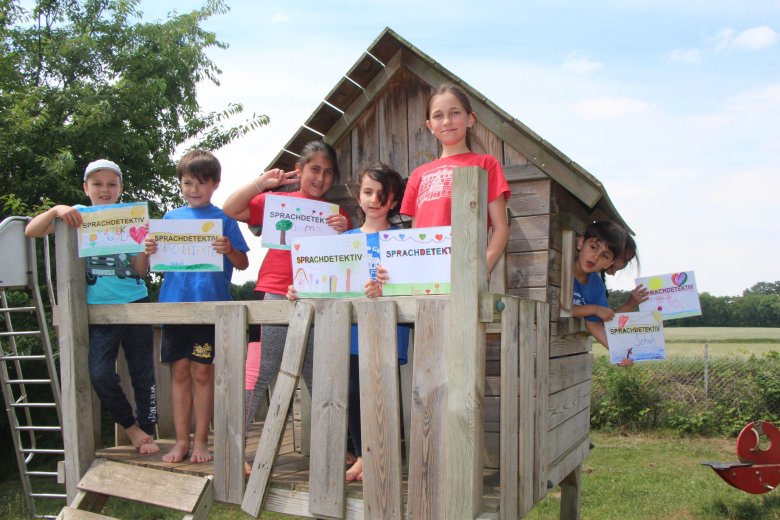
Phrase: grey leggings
x=272 y=338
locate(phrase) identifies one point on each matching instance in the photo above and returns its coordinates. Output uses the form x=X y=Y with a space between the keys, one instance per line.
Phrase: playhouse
x=493 y=409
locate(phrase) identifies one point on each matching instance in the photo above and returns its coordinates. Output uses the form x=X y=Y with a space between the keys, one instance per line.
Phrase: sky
x=673 y=106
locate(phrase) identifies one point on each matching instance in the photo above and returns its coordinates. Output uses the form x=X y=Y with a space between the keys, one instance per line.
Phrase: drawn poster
x=637 y=336
x=417 y=260
x=112 y=229
x=330 y=266
x=286 y=218
x=185 y=244
x=673 y=295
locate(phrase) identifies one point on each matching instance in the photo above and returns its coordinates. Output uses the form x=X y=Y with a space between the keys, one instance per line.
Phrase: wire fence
x=704 y=395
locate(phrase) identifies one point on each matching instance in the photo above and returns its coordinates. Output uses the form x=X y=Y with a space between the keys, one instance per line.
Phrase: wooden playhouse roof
x=388 y=54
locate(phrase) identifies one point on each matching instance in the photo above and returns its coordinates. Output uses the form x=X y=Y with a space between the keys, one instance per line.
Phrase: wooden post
x=329 y=403
x=568 y=255
x=570 y=495
x=428 y=434
x=510 y=413
x=229 y=423
x=465 y=359
x=526 y=411
x=542 y=391
x=73 y=333
x=380 y=409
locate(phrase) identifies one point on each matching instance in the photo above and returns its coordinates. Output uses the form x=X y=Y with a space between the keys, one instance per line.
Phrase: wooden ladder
x=189 y=494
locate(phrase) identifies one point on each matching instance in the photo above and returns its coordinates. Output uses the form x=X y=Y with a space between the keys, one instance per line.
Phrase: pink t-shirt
x=275 y=273
x=428 y=196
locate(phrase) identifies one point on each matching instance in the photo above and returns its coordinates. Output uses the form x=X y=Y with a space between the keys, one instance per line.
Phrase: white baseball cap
x=102 y=164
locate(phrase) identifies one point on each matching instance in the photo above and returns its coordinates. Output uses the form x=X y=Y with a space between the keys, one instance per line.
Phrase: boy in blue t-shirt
x=103 y=185
x=597 y=249
x=190 y=348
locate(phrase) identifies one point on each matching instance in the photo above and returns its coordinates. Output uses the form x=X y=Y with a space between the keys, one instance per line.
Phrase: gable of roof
x=389 y=54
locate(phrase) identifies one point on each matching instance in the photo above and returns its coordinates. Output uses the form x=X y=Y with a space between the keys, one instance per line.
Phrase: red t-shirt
x=428 y=196
x=275 y=273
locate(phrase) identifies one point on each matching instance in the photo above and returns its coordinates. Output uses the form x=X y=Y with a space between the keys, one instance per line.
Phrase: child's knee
x=202 y=374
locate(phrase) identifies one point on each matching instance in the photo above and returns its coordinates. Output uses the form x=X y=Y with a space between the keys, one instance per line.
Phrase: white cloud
x=685 y=55
x=280 y=18
x=580 y=64
x=606 y=107
x=755 y=38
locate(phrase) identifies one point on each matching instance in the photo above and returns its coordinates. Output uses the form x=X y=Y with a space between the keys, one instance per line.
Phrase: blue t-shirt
x=203 y=286
x=372 y=240
x=111 y=279
x=592 y=293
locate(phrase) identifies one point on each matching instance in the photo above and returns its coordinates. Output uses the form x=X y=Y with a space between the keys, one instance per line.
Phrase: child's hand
x=337 y=222
x=150 y=246
x=68 y=214
x=292 y=293
x=222 y=246
x=275 y=178
x=373 y=289
x=605 y=313
x=382 y=276
x=638 y=295
x=625 y=362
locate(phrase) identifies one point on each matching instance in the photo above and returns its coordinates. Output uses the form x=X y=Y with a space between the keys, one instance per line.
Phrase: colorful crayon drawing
x=113 y=229
x=286 y=218
x=330 y=266
x=674 y=295
x=638 y=336
x=185 y=245
x=417 y=260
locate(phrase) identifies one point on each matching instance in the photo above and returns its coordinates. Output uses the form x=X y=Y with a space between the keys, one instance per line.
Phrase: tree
x=84 y=80
x=284 y=226
x=764 y=288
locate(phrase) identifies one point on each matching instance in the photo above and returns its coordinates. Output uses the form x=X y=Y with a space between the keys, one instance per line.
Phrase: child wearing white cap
x=103 y=185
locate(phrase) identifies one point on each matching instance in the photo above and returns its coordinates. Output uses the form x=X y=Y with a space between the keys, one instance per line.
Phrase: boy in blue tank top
x=190 y=348
x=103 y=185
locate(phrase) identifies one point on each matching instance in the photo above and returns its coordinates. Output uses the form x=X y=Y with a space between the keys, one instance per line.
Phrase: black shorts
x=193 y=342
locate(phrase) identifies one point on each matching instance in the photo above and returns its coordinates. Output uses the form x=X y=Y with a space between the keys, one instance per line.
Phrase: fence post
x=706 y=372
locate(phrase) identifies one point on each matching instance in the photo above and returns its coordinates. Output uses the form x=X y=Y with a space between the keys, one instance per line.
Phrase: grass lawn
x=625 y=477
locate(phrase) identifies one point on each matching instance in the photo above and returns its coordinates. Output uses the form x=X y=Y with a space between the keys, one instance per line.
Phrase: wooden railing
x=447 y=444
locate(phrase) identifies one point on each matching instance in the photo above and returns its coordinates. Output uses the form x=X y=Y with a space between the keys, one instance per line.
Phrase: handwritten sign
x=287 y=218
x=112 y=229
x=185 y=245
x=417 y=260
x=673 y=295
x=637 y=336
x=330 y=266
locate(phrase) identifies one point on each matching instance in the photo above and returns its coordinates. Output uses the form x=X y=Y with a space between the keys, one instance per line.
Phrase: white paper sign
x=330 y=266
x=286 y=218
x=185 y=244
x=637 y=336
x=417 y=260
x=674 y=295
x=112 y=229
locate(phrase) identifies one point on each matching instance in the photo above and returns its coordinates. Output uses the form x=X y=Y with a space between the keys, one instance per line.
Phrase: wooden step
x=71 y=513
x=189 y=494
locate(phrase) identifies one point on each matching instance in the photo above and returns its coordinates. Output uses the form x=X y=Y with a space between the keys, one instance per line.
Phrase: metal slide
x=28 y=375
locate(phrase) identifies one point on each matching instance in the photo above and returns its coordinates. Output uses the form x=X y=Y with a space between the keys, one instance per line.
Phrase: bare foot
x=137 y=436
x=178 y=452
x=200 y=453
x=148 y=447
x=356 y=471
x=247 y=469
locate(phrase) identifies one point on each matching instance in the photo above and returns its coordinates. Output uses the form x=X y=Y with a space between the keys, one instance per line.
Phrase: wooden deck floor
x=291 y=470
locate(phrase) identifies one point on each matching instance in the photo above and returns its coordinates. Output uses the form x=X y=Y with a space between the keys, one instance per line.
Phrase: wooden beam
x=526 y=412
x=73 y=332
x=568 y=255
x=427 y=470
x=541 y=390
x=329 y=400
x=271 y=437
x=510 y=412
x=229 y=419
x=570 y=495
x=465 y=361
x=380 y=407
